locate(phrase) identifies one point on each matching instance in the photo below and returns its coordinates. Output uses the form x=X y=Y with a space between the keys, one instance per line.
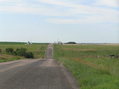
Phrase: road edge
x=72 y=81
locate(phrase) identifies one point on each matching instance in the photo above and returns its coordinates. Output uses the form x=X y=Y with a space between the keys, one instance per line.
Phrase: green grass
x=37 y=49
x=13 y=58
x=91 y=64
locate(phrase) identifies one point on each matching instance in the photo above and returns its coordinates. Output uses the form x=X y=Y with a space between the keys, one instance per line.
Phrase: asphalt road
x=35 y=74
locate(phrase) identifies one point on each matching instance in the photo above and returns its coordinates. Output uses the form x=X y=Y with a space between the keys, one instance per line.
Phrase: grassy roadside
x=91 y=64
x=37 y=49
x=5 y=58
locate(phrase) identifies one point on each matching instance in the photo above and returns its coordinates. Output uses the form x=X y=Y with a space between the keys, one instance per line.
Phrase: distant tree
x=71 y=43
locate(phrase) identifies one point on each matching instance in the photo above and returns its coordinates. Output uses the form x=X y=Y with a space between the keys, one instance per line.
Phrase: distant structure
x=28 y=43
x=60 y=43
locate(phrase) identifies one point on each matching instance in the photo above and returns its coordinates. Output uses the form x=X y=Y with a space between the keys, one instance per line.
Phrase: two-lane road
x=34 y=74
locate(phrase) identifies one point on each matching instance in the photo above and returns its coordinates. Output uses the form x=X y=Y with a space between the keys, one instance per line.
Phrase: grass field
x=37 y=49
x=91 y=65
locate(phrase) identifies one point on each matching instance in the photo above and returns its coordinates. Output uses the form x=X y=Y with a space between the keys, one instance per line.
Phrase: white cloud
x=86 y=20
x=82 y=9
x=62 y=3
x=1 y=1
x=45 y=11
x=109 y=3
x=92 y=14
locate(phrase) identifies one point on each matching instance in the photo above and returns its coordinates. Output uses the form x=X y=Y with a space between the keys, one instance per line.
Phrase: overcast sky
x=93 y=21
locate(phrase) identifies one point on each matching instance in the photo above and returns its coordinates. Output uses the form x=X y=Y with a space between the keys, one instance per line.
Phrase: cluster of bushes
x=114 y=56
x=20 y=52
x=0 y=50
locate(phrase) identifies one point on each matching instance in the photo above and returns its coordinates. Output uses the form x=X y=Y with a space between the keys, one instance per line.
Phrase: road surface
x=35 y=74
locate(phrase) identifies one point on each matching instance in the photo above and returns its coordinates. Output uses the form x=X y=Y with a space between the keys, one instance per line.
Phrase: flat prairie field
x=38 y=49
x=93 y=66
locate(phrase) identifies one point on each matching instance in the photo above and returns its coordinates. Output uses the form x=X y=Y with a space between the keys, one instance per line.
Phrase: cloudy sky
x=84 y=21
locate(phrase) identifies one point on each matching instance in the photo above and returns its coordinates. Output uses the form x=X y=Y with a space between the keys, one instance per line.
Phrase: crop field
x=94 y=66
x=37 y=49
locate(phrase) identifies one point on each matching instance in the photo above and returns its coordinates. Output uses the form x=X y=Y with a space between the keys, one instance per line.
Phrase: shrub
x=20 y=52
x=9 y=50
x=29 y=55
x=0 y=50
